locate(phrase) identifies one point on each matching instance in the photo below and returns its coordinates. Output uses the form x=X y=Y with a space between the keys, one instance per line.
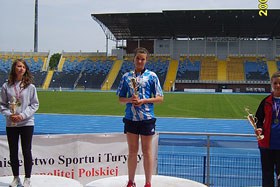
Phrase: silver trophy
x=134 y=84
x=253 y=120
x=13 y=107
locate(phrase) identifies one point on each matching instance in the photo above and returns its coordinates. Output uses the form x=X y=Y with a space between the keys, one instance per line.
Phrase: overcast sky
x=67 y=24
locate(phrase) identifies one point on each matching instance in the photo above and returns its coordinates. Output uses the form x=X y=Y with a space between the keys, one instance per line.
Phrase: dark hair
x=141 y=50
x=27 y=78
x=275 y=75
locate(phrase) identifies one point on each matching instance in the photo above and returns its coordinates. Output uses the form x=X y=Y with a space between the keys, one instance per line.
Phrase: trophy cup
x=253 y=120
x=13 y=105
x=134 y=84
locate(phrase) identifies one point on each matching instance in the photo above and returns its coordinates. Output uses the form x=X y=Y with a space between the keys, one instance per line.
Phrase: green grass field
x=226 y=106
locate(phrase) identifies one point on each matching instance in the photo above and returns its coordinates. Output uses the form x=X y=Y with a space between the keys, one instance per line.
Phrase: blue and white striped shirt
x=149 y=86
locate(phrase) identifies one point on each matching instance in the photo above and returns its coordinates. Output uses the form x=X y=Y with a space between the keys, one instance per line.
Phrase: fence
x=236 y=163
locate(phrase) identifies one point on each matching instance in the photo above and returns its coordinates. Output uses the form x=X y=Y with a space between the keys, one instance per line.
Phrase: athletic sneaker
x=27 y=182
x=16 y=182
x=148 y=184
x=131 y=184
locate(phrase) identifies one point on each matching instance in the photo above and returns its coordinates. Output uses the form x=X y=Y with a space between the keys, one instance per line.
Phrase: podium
x=43 y=181
x=157 y=181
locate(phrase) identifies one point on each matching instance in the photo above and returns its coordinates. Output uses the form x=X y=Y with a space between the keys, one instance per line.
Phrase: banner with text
x=84 y=157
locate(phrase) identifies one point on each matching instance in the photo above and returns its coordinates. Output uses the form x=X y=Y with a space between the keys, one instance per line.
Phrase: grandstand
x=84 y=71
x=214 y=49
x=240 y=61
x=206 y=53
x=37 y=63
x=81 y=70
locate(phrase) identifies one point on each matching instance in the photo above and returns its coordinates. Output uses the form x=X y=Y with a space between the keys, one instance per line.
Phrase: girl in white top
x=18 y=103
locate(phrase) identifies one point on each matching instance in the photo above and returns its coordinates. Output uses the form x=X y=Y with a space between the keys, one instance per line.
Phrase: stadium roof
x=190 y=24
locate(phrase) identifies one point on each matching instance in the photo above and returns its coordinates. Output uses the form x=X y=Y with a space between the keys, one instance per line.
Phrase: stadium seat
x=256 y=68
x=189 y=68
x=82 y=72
x=35 y=63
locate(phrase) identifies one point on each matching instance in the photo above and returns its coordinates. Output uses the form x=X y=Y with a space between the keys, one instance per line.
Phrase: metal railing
x=205 y=160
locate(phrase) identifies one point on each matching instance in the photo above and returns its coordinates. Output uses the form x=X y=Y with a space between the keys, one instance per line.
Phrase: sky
x=66 y=25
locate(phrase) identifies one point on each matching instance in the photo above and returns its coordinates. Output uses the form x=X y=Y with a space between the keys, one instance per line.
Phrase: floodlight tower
x=36 y=27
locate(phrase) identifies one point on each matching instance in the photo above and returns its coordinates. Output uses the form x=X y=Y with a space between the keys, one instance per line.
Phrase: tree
x=54 y=60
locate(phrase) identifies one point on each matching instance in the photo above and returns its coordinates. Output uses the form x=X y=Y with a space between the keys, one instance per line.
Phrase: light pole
x=36 y=27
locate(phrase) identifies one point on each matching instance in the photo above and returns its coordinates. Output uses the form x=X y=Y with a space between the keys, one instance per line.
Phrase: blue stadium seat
x=256 y=69
x=35 y=64
x=86 y=71
x=188 y=69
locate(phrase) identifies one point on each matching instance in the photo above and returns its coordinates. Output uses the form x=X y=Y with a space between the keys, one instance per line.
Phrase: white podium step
x=43 y=181
x=157 y=181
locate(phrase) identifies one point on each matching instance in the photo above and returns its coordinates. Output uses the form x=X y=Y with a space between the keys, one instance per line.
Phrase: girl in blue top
x=139 y=89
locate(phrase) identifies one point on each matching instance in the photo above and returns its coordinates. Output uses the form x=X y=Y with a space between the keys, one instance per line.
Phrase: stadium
x=219 y=53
